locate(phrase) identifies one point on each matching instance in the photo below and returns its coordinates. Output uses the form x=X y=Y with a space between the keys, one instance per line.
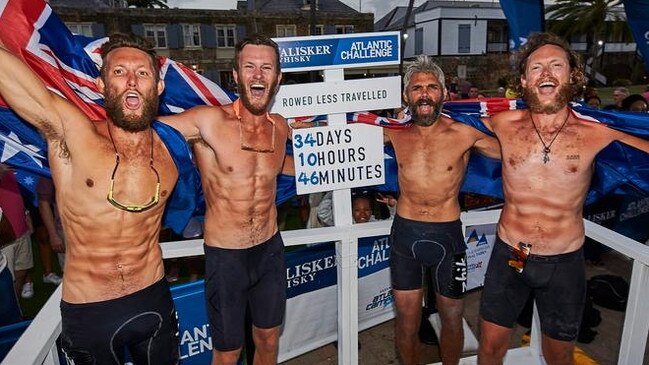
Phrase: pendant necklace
x=546 y=147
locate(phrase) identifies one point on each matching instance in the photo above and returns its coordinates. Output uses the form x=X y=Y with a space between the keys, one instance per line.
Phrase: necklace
x=246 y=147
x=133 y=207
x=546 y=147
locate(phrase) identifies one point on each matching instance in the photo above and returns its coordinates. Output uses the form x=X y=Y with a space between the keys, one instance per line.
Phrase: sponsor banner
x=338 y=97
x=627 y=214
x=479 y=243
x=312 y=308
x=338 y=157
x=313 y=53
x=193 y=328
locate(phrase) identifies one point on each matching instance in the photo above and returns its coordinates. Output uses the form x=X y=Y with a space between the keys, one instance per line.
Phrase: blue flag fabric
x=523 y=17
x=183 y=202
x=637 y=16
x=619 y=168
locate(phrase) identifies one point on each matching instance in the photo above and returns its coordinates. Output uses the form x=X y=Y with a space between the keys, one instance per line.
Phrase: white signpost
x=356 y=149
x=338 y=97
x=338 y=157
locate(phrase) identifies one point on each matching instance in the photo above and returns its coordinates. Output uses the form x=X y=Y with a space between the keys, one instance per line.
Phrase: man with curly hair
x=547 y=164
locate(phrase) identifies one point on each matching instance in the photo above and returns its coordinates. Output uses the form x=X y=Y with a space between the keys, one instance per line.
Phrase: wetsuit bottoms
x=238 y=278
x=439 y=246
x=144 y=322
x=557 y=282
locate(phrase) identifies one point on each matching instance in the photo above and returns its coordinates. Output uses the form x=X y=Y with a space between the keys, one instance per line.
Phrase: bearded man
x=427 y=233
x=547 y=152
x=240 y=150
x=112 y=178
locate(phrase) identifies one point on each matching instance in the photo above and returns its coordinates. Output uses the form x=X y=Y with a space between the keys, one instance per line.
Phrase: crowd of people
x=114 y=177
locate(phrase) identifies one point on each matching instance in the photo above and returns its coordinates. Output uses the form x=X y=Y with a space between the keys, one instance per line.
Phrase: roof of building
x=79 y=3
x=395 y=18
x=283 y=6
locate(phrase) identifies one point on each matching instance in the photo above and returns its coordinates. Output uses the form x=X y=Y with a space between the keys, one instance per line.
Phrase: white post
x=636 y=321
x=346 y=258
x=535 y=337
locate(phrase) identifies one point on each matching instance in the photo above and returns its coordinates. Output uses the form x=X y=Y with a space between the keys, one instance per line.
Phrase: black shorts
x=236 y=279
x=144 y=322
x=439 y=246
x=557 y=282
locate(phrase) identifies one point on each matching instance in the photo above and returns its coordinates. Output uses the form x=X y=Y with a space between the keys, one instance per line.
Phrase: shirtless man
x=240 y=151
x=432 y=155
x=114 y=291
x=547 y=153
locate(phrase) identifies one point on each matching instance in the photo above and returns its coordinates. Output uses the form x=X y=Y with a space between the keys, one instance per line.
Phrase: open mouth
x=547 y=87
x=132 y=100
x=424 y=106
x=257 y=90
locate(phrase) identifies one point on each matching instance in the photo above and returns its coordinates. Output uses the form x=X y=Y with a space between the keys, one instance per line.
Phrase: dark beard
x=131 y=123
x=245 y=98
x=425 y=120
x=560 y=101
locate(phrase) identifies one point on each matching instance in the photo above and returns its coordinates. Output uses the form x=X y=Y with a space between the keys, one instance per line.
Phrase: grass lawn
x=606 y=93
x=42 y=291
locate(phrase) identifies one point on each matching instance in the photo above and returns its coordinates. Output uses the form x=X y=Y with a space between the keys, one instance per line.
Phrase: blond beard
x=562 y=98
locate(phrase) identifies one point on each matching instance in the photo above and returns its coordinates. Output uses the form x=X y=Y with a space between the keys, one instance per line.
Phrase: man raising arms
x=547 y=153
x=240 y=151
x=114 y=291
x=432 y=155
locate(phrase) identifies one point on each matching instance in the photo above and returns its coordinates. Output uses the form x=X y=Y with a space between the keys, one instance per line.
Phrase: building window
x=464 y=38
x=192 y=35
x=344 y=29
x=419 y=41
x=84 y=29
x=226 y=35
x=286 y=30
x=319 y=29
x=306 y=4
x=156 y=34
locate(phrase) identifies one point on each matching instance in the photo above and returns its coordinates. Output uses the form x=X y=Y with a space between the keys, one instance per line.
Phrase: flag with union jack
x=68 y=65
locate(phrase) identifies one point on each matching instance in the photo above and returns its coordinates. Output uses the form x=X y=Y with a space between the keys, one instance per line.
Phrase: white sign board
x=338 y=97
x=339 y=51
x=338 y=157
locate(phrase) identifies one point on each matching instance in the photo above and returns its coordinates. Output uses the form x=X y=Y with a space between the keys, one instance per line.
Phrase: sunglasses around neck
x=135 y=208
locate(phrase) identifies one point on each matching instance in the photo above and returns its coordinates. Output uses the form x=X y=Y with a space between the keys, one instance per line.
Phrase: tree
x=588 y=17
x=148 y=3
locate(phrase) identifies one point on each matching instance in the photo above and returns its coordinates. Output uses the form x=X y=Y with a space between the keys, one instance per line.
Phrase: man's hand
x=57 y=243
x=386 y=199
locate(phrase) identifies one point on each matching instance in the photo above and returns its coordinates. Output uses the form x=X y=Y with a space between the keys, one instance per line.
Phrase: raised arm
x=485 y=144
x=637 y=142
x=27 y=95
x=194 y=122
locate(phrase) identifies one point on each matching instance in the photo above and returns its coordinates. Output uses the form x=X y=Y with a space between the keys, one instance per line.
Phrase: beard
x=560 y=101
x=425 y=120
x=131 y=122
x=244 y=95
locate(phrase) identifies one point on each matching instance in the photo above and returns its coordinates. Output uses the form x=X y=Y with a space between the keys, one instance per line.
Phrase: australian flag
x=69 y=65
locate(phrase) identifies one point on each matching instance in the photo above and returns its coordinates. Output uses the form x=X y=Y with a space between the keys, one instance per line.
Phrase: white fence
x=37 y=345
